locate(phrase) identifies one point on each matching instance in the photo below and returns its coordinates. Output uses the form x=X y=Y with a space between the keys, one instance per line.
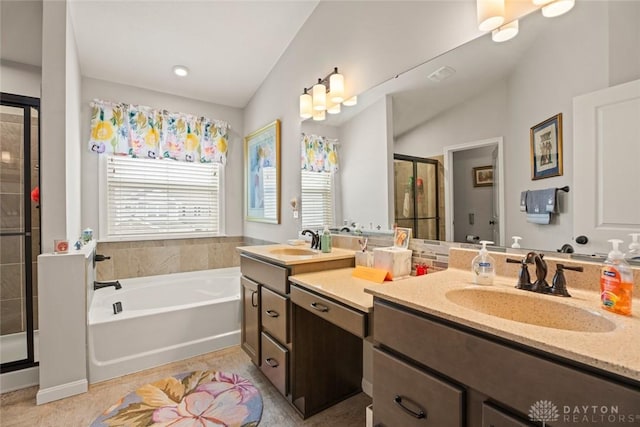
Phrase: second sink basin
x=292 y=251
x=530 y=308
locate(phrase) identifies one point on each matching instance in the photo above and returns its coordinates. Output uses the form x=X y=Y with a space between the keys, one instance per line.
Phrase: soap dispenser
x=616 y=282
x=634 y=248
x=516 y=240
x=483 y=266
x=325 y=240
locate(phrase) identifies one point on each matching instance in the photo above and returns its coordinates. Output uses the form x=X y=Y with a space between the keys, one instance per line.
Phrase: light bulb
x=319 y=93
x=490 y=14
x=318 y=115
x=506 y=32
x=306 y=105
x=557 y=8
x=350 y=102
x=336 y=87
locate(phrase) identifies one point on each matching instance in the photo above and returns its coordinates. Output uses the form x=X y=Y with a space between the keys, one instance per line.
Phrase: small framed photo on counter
x=401 y=238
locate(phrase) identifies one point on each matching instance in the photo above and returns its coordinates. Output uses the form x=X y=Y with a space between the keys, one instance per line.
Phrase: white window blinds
x=151 y=197
x=317 y=199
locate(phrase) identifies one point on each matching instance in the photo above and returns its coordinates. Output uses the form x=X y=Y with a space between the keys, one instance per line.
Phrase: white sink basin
x=292 y=251
x=534 y=309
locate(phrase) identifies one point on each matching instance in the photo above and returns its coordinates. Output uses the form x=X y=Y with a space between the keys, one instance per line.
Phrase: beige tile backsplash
x=154 y=257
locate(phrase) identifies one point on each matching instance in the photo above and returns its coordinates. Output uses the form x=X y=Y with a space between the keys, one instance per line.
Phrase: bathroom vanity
x=291 y=334
x=450 y=353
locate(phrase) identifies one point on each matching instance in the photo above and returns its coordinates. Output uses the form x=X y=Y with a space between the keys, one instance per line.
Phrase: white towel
x=539 y=218
x=406 y=206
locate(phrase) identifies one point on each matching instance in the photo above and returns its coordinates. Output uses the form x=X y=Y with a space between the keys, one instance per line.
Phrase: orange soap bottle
x=616 y=282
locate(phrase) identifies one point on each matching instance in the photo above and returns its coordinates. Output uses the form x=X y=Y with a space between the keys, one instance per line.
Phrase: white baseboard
x=17 y=380
x=367 y=387
x=61 y=391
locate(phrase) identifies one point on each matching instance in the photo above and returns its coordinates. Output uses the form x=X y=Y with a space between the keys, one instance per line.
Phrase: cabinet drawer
x=275 y=363
x=494 y=417
x=340 y=315
x=406 y=396
x=275 y=315
x=273 y=276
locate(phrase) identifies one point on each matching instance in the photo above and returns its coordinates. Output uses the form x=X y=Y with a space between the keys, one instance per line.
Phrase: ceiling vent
x=441 y=74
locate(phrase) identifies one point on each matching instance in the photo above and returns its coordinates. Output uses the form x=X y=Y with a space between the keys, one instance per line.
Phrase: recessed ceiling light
x=180 y=70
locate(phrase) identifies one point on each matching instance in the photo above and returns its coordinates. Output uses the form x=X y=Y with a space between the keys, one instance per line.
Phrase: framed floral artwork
x=262 y=174
x=546 y=148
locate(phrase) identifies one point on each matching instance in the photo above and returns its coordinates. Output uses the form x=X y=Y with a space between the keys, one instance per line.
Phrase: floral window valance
x=139 y=131
x=318 y=154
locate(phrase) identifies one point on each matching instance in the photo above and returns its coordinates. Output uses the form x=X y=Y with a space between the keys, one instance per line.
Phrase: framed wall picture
x=483 y=176
x=262 y=174
x=546 y=148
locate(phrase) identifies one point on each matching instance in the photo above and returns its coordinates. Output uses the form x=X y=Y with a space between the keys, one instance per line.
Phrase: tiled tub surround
x=154 y=257
x=615 y=351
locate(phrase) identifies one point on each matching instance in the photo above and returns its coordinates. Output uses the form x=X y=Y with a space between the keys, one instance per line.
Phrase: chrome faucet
x=315 y=238
x=99 y=285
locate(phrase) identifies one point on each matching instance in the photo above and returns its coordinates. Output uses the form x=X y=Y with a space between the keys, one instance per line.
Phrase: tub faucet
x=315 y=238
x=99 y=285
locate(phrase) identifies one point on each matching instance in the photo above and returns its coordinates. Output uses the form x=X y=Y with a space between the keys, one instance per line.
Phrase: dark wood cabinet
x=494 y=372
x=250 y=331
x=303 y=372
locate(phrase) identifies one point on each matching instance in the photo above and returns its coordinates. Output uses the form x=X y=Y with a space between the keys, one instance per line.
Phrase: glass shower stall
x=416 y=193
x=19 y=230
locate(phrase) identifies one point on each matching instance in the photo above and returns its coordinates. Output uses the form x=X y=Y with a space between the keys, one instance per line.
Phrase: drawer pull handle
x=272 y=313
x=419 y=415
x=271 y=362
x=319 y=307
x=253 y=294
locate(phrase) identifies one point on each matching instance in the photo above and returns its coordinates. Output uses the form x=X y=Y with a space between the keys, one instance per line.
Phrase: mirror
x=493 y=91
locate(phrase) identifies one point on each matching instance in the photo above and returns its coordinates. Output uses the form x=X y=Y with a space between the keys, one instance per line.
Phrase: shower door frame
x=26 y=103
x=415 y=160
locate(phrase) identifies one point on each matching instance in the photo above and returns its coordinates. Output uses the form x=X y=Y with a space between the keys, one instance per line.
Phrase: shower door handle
x=253 y=294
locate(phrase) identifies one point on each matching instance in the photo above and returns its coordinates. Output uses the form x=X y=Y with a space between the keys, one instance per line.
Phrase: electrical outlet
x=295 y=214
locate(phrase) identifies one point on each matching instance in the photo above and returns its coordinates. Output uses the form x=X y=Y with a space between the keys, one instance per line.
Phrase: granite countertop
x=339 y=285
x=615 y=349
x=270 y=253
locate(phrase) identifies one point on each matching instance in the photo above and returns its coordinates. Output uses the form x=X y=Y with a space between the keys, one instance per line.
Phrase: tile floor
x=18 y=408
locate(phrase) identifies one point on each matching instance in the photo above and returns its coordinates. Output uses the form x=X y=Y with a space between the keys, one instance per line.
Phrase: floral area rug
x=199 y=398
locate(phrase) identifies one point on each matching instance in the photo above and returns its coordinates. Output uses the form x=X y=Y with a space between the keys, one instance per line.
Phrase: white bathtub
x=164 y=319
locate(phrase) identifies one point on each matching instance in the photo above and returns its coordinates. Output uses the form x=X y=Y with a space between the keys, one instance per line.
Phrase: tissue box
x=394 y=260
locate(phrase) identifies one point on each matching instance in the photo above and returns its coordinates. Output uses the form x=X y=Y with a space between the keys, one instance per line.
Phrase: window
x=150 y=197
x=317 y=199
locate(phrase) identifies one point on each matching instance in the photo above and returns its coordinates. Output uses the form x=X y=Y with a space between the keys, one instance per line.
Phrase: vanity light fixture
x=551 y=9
x=180 y=70
x=506 y=32
x=490 y=14
x=327 y=95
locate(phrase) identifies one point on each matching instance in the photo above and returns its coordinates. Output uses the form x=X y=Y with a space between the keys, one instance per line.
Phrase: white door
x=606 y=162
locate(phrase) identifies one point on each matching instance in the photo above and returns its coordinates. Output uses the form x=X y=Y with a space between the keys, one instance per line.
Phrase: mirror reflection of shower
x=417 y=194
x=19 y=230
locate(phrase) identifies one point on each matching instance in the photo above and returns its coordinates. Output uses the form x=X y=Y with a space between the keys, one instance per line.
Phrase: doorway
x=416 y=201
x=19 y=229
x=466 y=220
